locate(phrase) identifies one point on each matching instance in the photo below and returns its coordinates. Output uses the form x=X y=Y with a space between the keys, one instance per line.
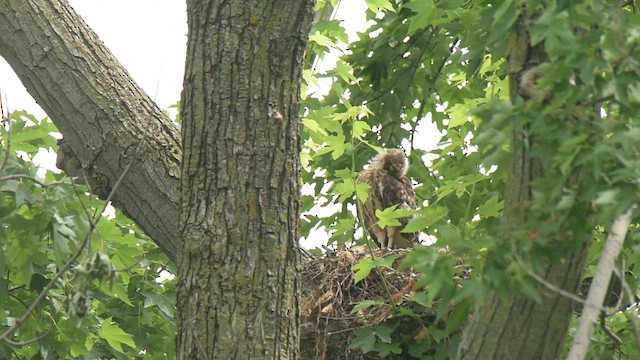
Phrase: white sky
x=149 y=38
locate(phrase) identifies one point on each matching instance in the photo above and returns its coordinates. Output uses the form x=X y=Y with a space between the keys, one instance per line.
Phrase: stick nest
x=330 y=294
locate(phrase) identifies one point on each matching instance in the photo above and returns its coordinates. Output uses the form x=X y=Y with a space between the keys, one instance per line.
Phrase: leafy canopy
x=439 y=69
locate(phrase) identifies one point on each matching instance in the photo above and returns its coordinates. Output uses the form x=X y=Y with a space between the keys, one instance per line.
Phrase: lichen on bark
x=239 y=265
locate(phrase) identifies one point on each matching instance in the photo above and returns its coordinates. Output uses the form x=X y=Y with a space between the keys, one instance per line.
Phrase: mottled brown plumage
x=388 y=186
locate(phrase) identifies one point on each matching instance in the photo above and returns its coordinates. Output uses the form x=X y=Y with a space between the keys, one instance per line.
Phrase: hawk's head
x=393 y=161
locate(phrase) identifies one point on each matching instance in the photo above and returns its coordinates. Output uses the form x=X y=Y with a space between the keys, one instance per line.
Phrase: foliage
x=603 y=345
x=397 y=78
x=44 y=220
x=440 y=67
x=430 y=76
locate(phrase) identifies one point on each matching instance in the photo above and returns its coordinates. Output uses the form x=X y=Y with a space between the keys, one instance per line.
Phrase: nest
x=330 y=294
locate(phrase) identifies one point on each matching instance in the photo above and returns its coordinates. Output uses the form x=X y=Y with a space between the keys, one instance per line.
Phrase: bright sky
x=149 y=37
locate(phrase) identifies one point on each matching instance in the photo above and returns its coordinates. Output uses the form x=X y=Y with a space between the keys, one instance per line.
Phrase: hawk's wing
x=386 y=191
x=394 y=192
x=399 y=192
x=369 y=207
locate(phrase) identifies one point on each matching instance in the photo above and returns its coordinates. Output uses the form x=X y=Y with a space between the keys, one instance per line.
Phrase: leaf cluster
x=450 y=69
x=44 y=220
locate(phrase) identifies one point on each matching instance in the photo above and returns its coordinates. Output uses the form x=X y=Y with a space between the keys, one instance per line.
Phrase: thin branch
x=119 y=181
x=631 y=317
x=598 y=100
x=605 y=328
x=31 y=178
x=16 y=298
x=126 y=270
x=6 y=155
x=5 y=336
x=27 y=342
x=92 y=225
x=347 y=330
x=620 y=304
x=548 y=284
x=599 y=286
x=414 y=126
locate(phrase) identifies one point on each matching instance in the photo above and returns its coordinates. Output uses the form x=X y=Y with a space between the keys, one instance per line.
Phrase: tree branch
x=599 y=286
x=100 y=111
x=631 y=313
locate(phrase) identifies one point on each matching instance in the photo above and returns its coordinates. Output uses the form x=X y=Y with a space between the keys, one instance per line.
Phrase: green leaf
x=114 y=335
x=491 y=208
x=38 y=282
x=77 y=341
x=390 y=216
x=423 y=299
x=387 y=261
x=363 y=269
x=418 y=223
x=4 y=288
x=365 y=304
x=384 y=333
x=458 y=317
x=460 y=113
x=607 y=197
x=530 y=290
x=345 y=71
x=428 y=216
x=365 y=265
x=362 y=191
x=313 y=126
x=62 y=236
x=377 y=5
x=360 y=128
x=567 y=200
x=321 y=40
x=365 y=340
x=163 y=302
x=385 y=349
x=345 y=189
x=426 y=14
x=337 y=145
x=116 y=290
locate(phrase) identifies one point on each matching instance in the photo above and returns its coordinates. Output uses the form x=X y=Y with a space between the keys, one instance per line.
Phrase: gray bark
x=238 y=289
x=514 y=326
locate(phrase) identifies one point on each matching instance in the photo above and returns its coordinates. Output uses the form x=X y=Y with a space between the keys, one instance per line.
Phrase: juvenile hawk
x=388 y=186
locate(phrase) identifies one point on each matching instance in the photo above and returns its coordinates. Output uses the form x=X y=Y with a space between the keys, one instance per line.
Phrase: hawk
x=388 y=186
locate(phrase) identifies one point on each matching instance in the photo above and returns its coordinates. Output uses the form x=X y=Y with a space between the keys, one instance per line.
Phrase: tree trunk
x=514 y=326
x=99 y=109
x=239 y=265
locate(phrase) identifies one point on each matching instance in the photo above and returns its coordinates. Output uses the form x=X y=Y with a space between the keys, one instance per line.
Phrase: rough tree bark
x=239 y=265
x=99 y=109
x=516 y=327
